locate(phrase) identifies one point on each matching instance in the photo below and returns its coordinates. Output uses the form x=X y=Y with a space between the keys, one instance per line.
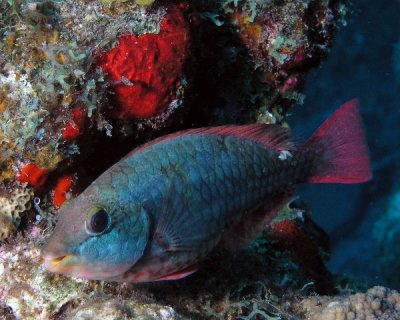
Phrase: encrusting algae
x=145 y=2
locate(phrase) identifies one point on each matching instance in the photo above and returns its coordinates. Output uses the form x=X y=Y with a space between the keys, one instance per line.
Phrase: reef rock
x=12 y=205
x=148 y=69
x=55 y=95
x=378 y=303
x=116 y=309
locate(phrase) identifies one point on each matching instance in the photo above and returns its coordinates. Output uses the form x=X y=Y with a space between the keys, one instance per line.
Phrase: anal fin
x=239 y=235
x=180 y=274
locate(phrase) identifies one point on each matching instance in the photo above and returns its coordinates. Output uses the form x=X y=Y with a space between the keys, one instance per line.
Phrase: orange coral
x=74 y=128
x=63 y=186
x=33 y=175
x=147 y=68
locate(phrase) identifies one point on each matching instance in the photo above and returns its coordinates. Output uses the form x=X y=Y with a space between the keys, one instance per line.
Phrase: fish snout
x=60 y=263
x=56 y=259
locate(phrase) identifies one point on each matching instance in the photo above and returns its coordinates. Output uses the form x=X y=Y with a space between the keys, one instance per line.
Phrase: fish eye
x=97 y=221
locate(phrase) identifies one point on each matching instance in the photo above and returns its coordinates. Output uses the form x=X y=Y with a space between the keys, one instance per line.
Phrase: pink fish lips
x=157 y=213
x=60 y=264
x=70 y=264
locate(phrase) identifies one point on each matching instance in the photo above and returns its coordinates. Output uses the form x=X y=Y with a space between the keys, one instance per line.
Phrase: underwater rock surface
x=68 y=111
x=11 y=207
x=261 y=282
x=126 y=309
x=377 y=303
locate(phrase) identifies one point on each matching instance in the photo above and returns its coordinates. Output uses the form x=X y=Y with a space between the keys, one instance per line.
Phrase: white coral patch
x=20 y=87
x=11 y=207
x=284 y=155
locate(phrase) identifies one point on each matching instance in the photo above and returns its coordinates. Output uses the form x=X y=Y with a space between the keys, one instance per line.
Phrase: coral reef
x=126 y=309
x=12 y=205
x=377 y=303
x=33 y=175
x=63 y=189
x=84 y=82
x=256 y=69
x=28 y=291
x=144 y=2
x=55 y=108
x=147 y=70
x=277 y=38
x=52 y=90
x=298 y=238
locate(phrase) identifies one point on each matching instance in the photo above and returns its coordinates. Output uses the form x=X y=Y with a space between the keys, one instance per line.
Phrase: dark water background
x=362 y=64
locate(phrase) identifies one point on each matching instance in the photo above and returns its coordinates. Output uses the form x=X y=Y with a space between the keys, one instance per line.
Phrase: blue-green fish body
x=159 y=211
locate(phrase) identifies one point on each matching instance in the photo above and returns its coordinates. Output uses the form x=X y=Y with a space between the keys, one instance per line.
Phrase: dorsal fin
x=269 y=135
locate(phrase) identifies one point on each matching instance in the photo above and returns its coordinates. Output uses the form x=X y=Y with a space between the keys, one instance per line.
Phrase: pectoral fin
x=174 y=230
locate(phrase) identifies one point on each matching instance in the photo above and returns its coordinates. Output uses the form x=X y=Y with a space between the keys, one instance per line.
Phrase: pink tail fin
x=340 y=141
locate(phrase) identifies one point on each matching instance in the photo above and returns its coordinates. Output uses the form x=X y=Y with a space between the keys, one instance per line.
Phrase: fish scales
x=238 y=198
x=212 y=215
x=200 y=176
x=167 y=204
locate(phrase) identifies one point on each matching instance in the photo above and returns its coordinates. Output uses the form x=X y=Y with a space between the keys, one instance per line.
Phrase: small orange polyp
x=74 y=128
x=71 y=131
x=33 y=175
x=63 y=186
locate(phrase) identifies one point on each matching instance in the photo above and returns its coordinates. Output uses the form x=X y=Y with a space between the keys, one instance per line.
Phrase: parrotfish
x=158 y=212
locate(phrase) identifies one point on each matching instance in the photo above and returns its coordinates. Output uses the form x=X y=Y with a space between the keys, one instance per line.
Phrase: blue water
x=362 y=64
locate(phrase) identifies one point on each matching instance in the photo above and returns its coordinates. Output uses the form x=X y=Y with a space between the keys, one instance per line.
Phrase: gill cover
x=119 y=246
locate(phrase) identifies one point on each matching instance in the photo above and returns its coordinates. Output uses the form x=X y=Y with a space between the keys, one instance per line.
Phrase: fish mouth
x=60 y=264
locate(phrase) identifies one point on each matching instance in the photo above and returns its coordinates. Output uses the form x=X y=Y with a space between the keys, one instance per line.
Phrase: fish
x=158 y=213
